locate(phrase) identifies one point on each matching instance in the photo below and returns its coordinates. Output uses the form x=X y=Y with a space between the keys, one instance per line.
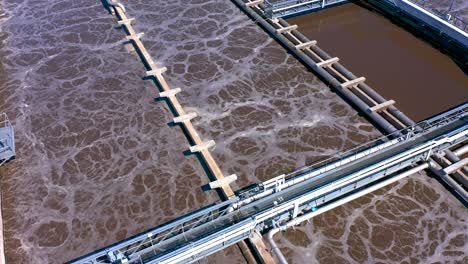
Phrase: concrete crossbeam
x=184 y=118
x=328 y=62
x=381 y=107
x=286 y=29
x=224 y=181
x=170 y=92
x=203 y=146
x=354 y=82
x=126 y=21
x=306 y=45
x=135 y=36
x=156 y=72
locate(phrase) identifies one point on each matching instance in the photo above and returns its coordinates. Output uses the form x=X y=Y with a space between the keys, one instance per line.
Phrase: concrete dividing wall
x=432 y=20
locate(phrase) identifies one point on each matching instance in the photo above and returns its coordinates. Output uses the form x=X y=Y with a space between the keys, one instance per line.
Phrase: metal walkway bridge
x=287 y=200
x=7 y=139
x=285 y=8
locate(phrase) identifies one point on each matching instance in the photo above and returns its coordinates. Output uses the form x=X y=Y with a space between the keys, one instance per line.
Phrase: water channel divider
x=183 y=118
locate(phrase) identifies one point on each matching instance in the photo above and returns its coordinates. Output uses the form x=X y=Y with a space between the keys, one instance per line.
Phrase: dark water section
x=421 y=79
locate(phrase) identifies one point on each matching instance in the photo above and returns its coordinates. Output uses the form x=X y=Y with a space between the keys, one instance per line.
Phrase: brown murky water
x=97 y=160
x=398 y=65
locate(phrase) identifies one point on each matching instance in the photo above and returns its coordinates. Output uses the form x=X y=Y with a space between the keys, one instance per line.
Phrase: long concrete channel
x=353 y=89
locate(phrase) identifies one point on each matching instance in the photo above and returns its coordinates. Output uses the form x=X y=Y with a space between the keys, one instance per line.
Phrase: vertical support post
x=296 y=210
x=428 y=154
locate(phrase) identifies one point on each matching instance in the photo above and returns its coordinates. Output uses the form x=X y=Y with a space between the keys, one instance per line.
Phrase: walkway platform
x=288 y=8
x=7 y=140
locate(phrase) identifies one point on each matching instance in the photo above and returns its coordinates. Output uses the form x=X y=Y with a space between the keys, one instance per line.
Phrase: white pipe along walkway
x=288 y=200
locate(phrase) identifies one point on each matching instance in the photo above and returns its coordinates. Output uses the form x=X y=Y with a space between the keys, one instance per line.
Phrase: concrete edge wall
x=433 y=20
x=439 y=39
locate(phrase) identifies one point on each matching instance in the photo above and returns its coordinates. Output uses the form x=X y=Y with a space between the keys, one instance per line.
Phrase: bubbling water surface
x=97 y=159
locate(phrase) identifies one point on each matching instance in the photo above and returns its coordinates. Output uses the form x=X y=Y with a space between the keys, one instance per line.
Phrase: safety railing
x=134 y=249
x=4 y=121
x=275 y=9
